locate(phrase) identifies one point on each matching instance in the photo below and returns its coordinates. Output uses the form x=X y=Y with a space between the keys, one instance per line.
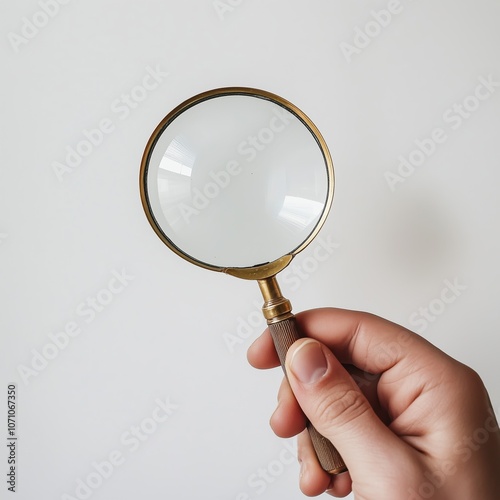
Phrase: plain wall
x=396 y=238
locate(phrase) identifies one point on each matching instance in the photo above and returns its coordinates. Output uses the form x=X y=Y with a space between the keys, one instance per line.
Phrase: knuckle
x=470 y=380
x=341 y=407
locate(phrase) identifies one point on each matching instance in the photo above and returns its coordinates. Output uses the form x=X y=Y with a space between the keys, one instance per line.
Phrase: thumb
x=338 y=409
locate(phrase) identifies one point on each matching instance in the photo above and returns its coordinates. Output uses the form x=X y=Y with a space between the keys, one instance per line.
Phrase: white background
x=163 y=335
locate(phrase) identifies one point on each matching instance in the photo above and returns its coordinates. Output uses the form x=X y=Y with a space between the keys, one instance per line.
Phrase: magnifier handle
x=284 y=334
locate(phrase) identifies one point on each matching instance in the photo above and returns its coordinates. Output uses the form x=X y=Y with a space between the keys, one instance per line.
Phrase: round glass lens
x=236 y=180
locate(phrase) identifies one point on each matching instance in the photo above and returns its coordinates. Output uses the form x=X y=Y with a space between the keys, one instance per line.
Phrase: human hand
x=410 y=422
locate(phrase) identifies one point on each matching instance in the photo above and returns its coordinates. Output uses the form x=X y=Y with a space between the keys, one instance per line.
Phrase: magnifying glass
x=239 y=180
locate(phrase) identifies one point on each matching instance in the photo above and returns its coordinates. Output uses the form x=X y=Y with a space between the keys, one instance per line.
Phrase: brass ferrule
x=276 y=307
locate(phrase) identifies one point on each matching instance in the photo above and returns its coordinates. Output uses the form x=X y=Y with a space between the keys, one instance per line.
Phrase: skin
x=410 y=422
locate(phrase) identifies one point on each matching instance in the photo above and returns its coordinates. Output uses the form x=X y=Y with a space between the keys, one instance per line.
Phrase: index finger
x=369 y=342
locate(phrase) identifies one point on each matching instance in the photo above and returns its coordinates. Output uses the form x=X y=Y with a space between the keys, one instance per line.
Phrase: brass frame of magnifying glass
x=276 y=309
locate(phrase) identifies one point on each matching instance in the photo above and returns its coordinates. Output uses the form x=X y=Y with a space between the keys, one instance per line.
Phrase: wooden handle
x=284 y=334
